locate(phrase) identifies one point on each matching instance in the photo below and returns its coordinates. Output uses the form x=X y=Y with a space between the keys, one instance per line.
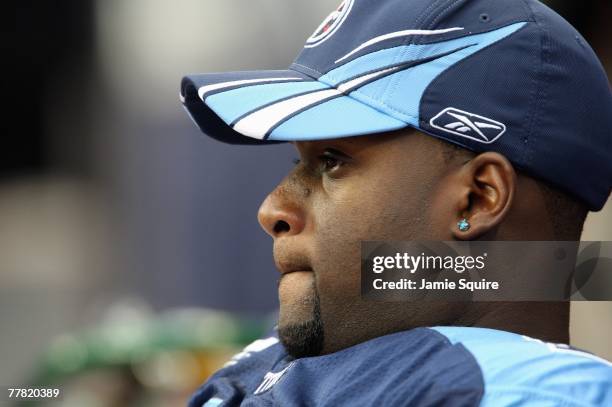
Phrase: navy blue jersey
x=440 y=366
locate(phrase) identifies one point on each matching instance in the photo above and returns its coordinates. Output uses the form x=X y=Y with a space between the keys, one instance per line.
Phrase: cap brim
x=256 y=107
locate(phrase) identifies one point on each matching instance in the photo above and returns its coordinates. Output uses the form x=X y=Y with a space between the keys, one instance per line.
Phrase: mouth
x=290 y=260
x=304 y=270
x=287 y=266
x=291 y=275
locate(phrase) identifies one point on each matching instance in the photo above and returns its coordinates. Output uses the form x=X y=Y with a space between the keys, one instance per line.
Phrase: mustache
x=288 y=259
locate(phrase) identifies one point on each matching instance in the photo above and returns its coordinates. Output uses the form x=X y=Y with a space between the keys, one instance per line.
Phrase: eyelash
x=324 y=159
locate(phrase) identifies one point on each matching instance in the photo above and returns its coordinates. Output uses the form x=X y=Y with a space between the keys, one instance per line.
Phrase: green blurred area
x=134 y=359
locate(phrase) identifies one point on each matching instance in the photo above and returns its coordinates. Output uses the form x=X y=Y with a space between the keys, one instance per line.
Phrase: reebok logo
x=270 y=379
x=468 y=125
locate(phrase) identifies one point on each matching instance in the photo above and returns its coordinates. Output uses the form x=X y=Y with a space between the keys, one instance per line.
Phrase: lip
x=291 y=264
x=289 y=259
x=305 y=270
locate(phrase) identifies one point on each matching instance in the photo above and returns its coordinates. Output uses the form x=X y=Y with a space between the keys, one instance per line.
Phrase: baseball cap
x=508 y=76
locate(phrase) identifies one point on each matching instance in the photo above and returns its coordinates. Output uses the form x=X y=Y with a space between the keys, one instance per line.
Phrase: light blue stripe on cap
x=232 y=104
x=413 y=52
x=340 y=117
x=400 y=94
x=387 y=57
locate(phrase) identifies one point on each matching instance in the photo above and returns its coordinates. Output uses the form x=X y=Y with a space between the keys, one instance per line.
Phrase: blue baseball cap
x=508 y=76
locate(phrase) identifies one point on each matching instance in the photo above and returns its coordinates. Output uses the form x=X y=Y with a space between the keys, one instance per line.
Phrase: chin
x=303 y=338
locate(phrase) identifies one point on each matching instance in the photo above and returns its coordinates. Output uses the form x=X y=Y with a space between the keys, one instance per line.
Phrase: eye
x=296 y=161
x=330 y=162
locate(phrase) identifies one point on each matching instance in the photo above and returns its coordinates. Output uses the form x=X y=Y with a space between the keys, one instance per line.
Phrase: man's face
x=342 y=192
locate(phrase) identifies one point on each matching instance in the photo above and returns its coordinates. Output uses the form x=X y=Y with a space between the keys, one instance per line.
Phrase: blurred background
x=130 y=254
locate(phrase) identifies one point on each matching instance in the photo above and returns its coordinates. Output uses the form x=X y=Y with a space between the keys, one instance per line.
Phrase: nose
x=280 y=216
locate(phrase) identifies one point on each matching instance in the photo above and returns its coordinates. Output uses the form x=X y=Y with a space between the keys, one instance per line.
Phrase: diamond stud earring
x=463 y=225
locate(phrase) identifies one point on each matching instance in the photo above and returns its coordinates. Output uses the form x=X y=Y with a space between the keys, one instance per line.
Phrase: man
x=520 y=111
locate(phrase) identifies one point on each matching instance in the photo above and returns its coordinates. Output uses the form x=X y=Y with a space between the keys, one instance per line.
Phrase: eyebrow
x=337 y=153
x=323 y=147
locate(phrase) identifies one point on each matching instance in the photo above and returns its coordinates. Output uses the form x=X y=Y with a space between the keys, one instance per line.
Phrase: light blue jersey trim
x=518 y=370
x=214 y=402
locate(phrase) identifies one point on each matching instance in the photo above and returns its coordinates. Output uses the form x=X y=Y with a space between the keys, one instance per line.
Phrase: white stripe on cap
x=259 y=123
x=397 y=34
x=347 y=87
x=202 y=91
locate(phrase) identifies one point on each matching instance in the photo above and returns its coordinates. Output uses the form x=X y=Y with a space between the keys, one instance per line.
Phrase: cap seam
x=443 y=12
x=422 y=18
x=400 y=55
x=540 y=90
x=392 y=83
x=428 y=11
x=392 y=86
x=308 y=70
x=380 y=106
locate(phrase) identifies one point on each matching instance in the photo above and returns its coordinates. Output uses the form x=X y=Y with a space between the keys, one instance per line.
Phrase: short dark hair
x=566 y=214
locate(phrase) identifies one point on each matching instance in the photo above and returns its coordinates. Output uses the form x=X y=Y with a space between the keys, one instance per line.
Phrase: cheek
x=340 y=226
x=366 y=209
x=376 y=208
x=338 y=233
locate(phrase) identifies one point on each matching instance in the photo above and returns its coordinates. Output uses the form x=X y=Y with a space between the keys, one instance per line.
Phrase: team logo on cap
x=468 y=125
x=330 y=25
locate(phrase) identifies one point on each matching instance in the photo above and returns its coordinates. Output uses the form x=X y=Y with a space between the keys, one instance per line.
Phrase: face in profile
x=341 y=192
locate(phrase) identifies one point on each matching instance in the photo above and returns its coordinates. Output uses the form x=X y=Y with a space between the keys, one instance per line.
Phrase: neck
x=548 y=321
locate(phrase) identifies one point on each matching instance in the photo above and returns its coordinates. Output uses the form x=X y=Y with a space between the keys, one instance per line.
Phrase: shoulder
x=416 y=367
x=242 y=374
x=423 y=366
x=517 y=369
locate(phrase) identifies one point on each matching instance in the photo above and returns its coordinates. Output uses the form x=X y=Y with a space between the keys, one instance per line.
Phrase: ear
x=483 y=193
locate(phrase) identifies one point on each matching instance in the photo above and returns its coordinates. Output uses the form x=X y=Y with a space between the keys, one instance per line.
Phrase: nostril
x=281 y=226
